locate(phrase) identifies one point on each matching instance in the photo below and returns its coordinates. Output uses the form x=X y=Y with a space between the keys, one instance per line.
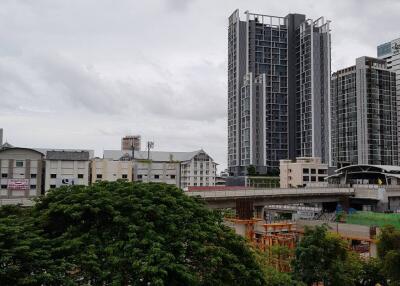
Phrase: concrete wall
x=159 y=172
x=109 y=170
x=72 y=170
x=292 y=172
x=22 y=164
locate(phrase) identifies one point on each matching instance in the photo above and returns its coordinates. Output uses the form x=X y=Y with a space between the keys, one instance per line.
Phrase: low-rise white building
x=21 y=172
x=199 y=169
x=66 y=168
x=111 y=170
x=182 y=169
x=304 y=171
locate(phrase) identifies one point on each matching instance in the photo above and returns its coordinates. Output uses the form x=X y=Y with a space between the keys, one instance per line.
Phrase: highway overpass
x=262 y=197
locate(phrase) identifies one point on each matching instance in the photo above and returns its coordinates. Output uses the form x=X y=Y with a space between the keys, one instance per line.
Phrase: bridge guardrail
x=269 y=192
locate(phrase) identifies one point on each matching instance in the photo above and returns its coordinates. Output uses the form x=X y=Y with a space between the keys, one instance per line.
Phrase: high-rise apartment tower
x=390 y=52
x=278 y=90
x=364 y=114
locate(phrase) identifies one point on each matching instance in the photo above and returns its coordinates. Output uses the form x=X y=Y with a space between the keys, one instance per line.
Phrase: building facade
x=390 y=52
x=198 y=170
x=66 y=168
x=21 y=173
x=278 y=90
x=364 y=114
x=302 y=171
x=111 y=170
x=182 y=169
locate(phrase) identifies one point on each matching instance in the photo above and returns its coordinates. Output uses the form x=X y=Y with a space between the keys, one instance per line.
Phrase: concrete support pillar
x=345 y=202
x=244 y=208
x=259 y=212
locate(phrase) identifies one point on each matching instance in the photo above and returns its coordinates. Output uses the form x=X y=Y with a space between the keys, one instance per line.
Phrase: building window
x=53 y=176
x=4 y=186
x=80 y=176
x=322 y=171
x=312 y=178
x=4 y=175
x=33 y=176
x=305 y=178
x=321 y=179
x=33 y=187
x=172 y=176
x=156 y=176
x=290 y=170
x=99 y=176
x=139 y=176
x=19 y=163
x=305 y=171
x=124 y=176
x=312 y=171
x=52 y=186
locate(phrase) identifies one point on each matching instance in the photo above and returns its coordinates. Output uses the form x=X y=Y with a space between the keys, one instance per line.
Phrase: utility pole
x=150 y=145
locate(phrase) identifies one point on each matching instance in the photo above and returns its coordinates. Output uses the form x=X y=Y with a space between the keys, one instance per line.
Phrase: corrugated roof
x=163 y=156
x=68 y=155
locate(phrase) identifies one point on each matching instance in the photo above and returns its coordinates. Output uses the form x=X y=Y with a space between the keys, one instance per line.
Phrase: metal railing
x=270 y=192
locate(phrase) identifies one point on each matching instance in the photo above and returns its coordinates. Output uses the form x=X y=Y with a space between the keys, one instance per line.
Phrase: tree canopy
x=323 y=257
x=389 y=253
x=122 y=233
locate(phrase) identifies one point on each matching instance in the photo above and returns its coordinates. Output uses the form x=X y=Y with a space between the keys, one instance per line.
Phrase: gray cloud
x=83 y=73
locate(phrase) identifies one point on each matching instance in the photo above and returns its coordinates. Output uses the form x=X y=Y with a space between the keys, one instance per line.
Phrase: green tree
x=122 y=233
x=389 y=253
x=251 y=170
x=371 y=274
x=272 y=276
x=323 y=257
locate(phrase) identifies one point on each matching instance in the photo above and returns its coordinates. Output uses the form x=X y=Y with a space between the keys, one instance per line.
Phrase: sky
x=84 y=73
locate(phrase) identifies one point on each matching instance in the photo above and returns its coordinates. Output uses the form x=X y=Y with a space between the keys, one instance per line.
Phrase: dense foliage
x=323 y=257
x=121 y=234
x=389 y=253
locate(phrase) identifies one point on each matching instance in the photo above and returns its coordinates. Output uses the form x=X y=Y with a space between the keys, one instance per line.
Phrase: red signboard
x=18 y=184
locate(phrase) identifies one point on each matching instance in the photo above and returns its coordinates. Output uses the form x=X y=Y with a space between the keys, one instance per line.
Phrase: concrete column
x=10 y=173
x=259 y=212
x=244 y=208
x=28 y=175
x=39 y=175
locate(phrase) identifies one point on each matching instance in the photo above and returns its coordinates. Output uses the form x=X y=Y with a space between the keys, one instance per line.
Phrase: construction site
x=276 y=233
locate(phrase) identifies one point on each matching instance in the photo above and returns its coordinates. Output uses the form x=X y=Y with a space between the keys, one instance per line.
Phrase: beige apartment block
x=111 y=170
x=304 y=171
x=182 y=169
x=66 y=168
x=21 y=173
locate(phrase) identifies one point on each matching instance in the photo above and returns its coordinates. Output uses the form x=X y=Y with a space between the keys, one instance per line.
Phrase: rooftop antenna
x=150 y=145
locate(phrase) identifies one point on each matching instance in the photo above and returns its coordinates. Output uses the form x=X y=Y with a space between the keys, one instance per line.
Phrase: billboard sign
x=18 y=184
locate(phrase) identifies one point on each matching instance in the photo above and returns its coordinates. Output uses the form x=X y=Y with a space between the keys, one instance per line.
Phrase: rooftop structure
x=304 y=171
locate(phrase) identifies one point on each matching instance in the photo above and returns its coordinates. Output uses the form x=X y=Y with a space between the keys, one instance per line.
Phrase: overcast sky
x=83 y=73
